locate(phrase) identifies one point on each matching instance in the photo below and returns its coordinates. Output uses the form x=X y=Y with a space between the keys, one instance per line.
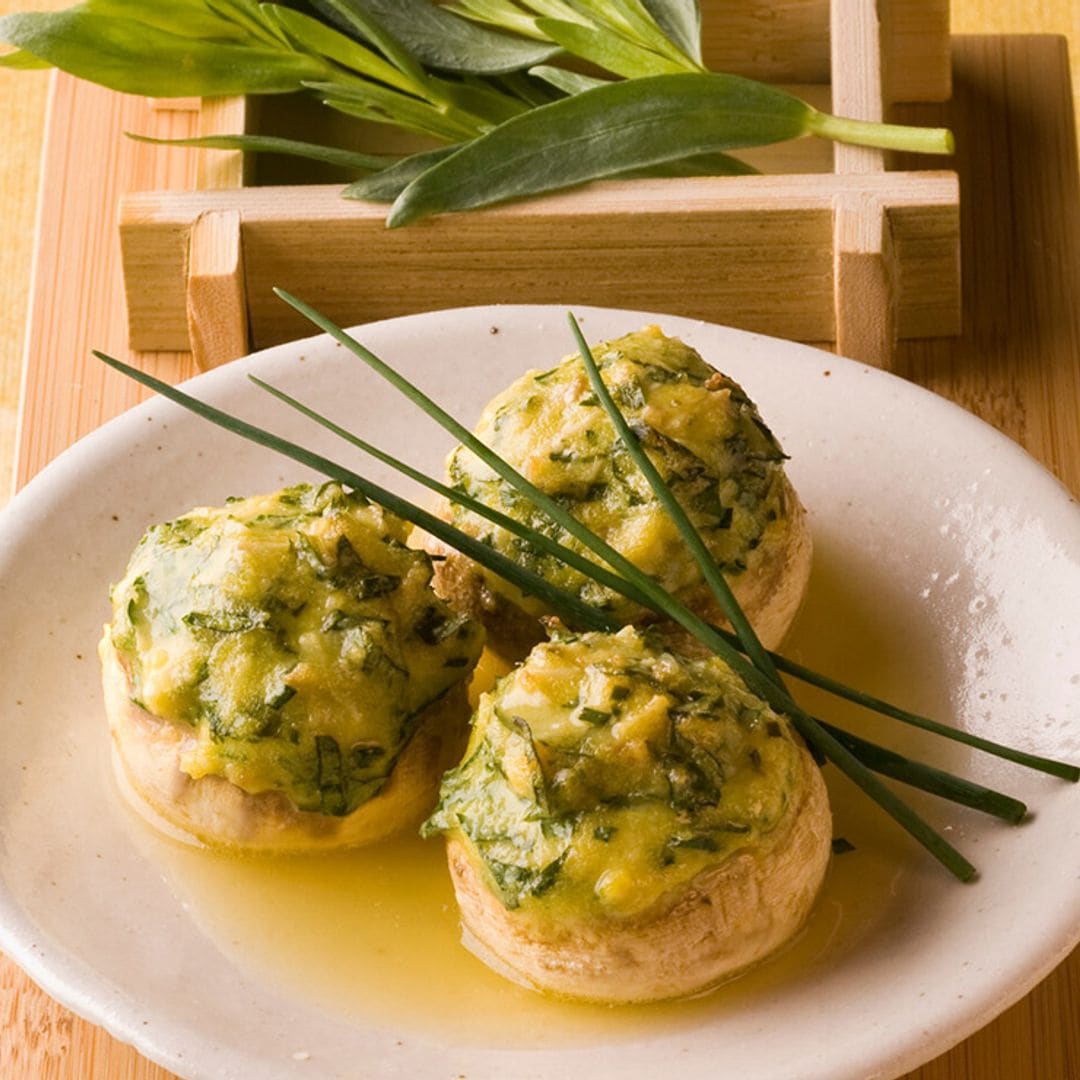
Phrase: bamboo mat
x=1017 y=365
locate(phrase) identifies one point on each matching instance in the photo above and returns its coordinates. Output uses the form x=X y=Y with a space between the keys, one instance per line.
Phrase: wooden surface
x=1017 y=364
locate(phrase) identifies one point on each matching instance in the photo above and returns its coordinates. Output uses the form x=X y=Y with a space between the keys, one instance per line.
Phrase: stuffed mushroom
x=709 y=443
x=631 y=824
x=279 y=674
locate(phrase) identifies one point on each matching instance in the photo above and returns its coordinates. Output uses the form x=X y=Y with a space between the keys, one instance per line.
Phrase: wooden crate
x=833 y=246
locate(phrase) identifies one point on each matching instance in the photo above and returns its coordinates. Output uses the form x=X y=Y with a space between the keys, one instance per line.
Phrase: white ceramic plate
x=947 y=574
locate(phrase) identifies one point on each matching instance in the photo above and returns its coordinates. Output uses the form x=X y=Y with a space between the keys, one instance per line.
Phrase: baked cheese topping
x=606 y=772
x=296 y=635
x=698 y=427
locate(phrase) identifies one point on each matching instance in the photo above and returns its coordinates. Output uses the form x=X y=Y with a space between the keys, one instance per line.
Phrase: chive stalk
x=763 y=685
x=574 y=609
x=855 y=756
x=929 y=778
x=603 y=576
x=691 y=537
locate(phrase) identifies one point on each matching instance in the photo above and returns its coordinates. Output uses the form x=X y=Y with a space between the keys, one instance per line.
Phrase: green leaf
x=351 y=17
x=523 y=85
x=569 y=82
x=421 y=119
x=23 y=61
x=633 y=20
x=247 y=14
x=715 y=164
x=603 y=131
x=114 y=52
x=188 y=18
x=507 y=16
x=272 y=144
x=479 y=98
x=387 y=184
x=317 y=37
x=608 y=50
x=440 y=39
x=681 y=21
x=385 y=105
x=570 y=10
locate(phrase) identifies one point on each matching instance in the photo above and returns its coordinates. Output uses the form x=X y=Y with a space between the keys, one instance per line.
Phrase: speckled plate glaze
x=921 y=513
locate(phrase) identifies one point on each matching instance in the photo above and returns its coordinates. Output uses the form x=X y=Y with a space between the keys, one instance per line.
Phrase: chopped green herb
x=594 y=716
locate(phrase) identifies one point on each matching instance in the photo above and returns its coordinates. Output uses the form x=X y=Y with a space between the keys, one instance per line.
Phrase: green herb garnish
x=482 y=76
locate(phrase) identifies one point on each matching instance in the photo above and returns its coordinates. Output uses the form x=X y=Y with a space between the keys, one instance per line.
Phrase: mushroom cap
x=216 y=812
x=704 y=436
x=725 y=920
x=770 y=595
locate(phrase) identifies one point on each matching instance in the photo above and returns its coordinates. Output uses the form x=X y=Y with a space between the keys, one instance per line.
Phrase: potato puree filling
x=605 y=772
x=296 y=635
x=699 y=428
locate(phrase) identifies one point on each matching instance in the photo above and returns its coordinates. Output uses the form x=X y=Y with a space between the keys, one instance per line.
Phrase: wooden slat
x=755 y=252
x=222 y=116
x=216 y=294
x=857 y=90
x=866 y=280
x=866 y=274
x=916 y=50
x=777 y=41
x=788 y=41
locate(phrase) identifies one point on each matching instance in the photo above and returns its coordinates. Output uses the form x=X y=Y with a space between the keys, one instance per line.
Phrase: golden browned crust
x=725 y=920
x=511 y=632
x=770 y=592
x=220 y=814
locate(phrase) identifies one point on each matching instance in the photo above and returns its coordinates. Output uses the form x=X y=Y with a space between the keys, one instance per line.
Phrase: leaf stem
x=918 y=140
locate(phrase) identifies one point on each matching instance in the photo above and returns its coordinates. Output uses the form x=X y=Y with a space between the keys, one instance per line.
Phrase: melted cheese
x=699 y=428
x=296 y=635
x=606 y=772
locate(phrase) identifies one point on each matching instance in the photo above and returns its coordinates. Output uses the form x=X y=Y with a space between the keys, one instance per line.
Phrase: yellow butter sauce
x=373 y=935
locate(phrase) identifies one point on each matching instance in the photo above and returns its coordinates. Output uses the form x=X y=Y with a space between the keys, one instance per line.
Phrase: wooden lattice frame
x=857 y=255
